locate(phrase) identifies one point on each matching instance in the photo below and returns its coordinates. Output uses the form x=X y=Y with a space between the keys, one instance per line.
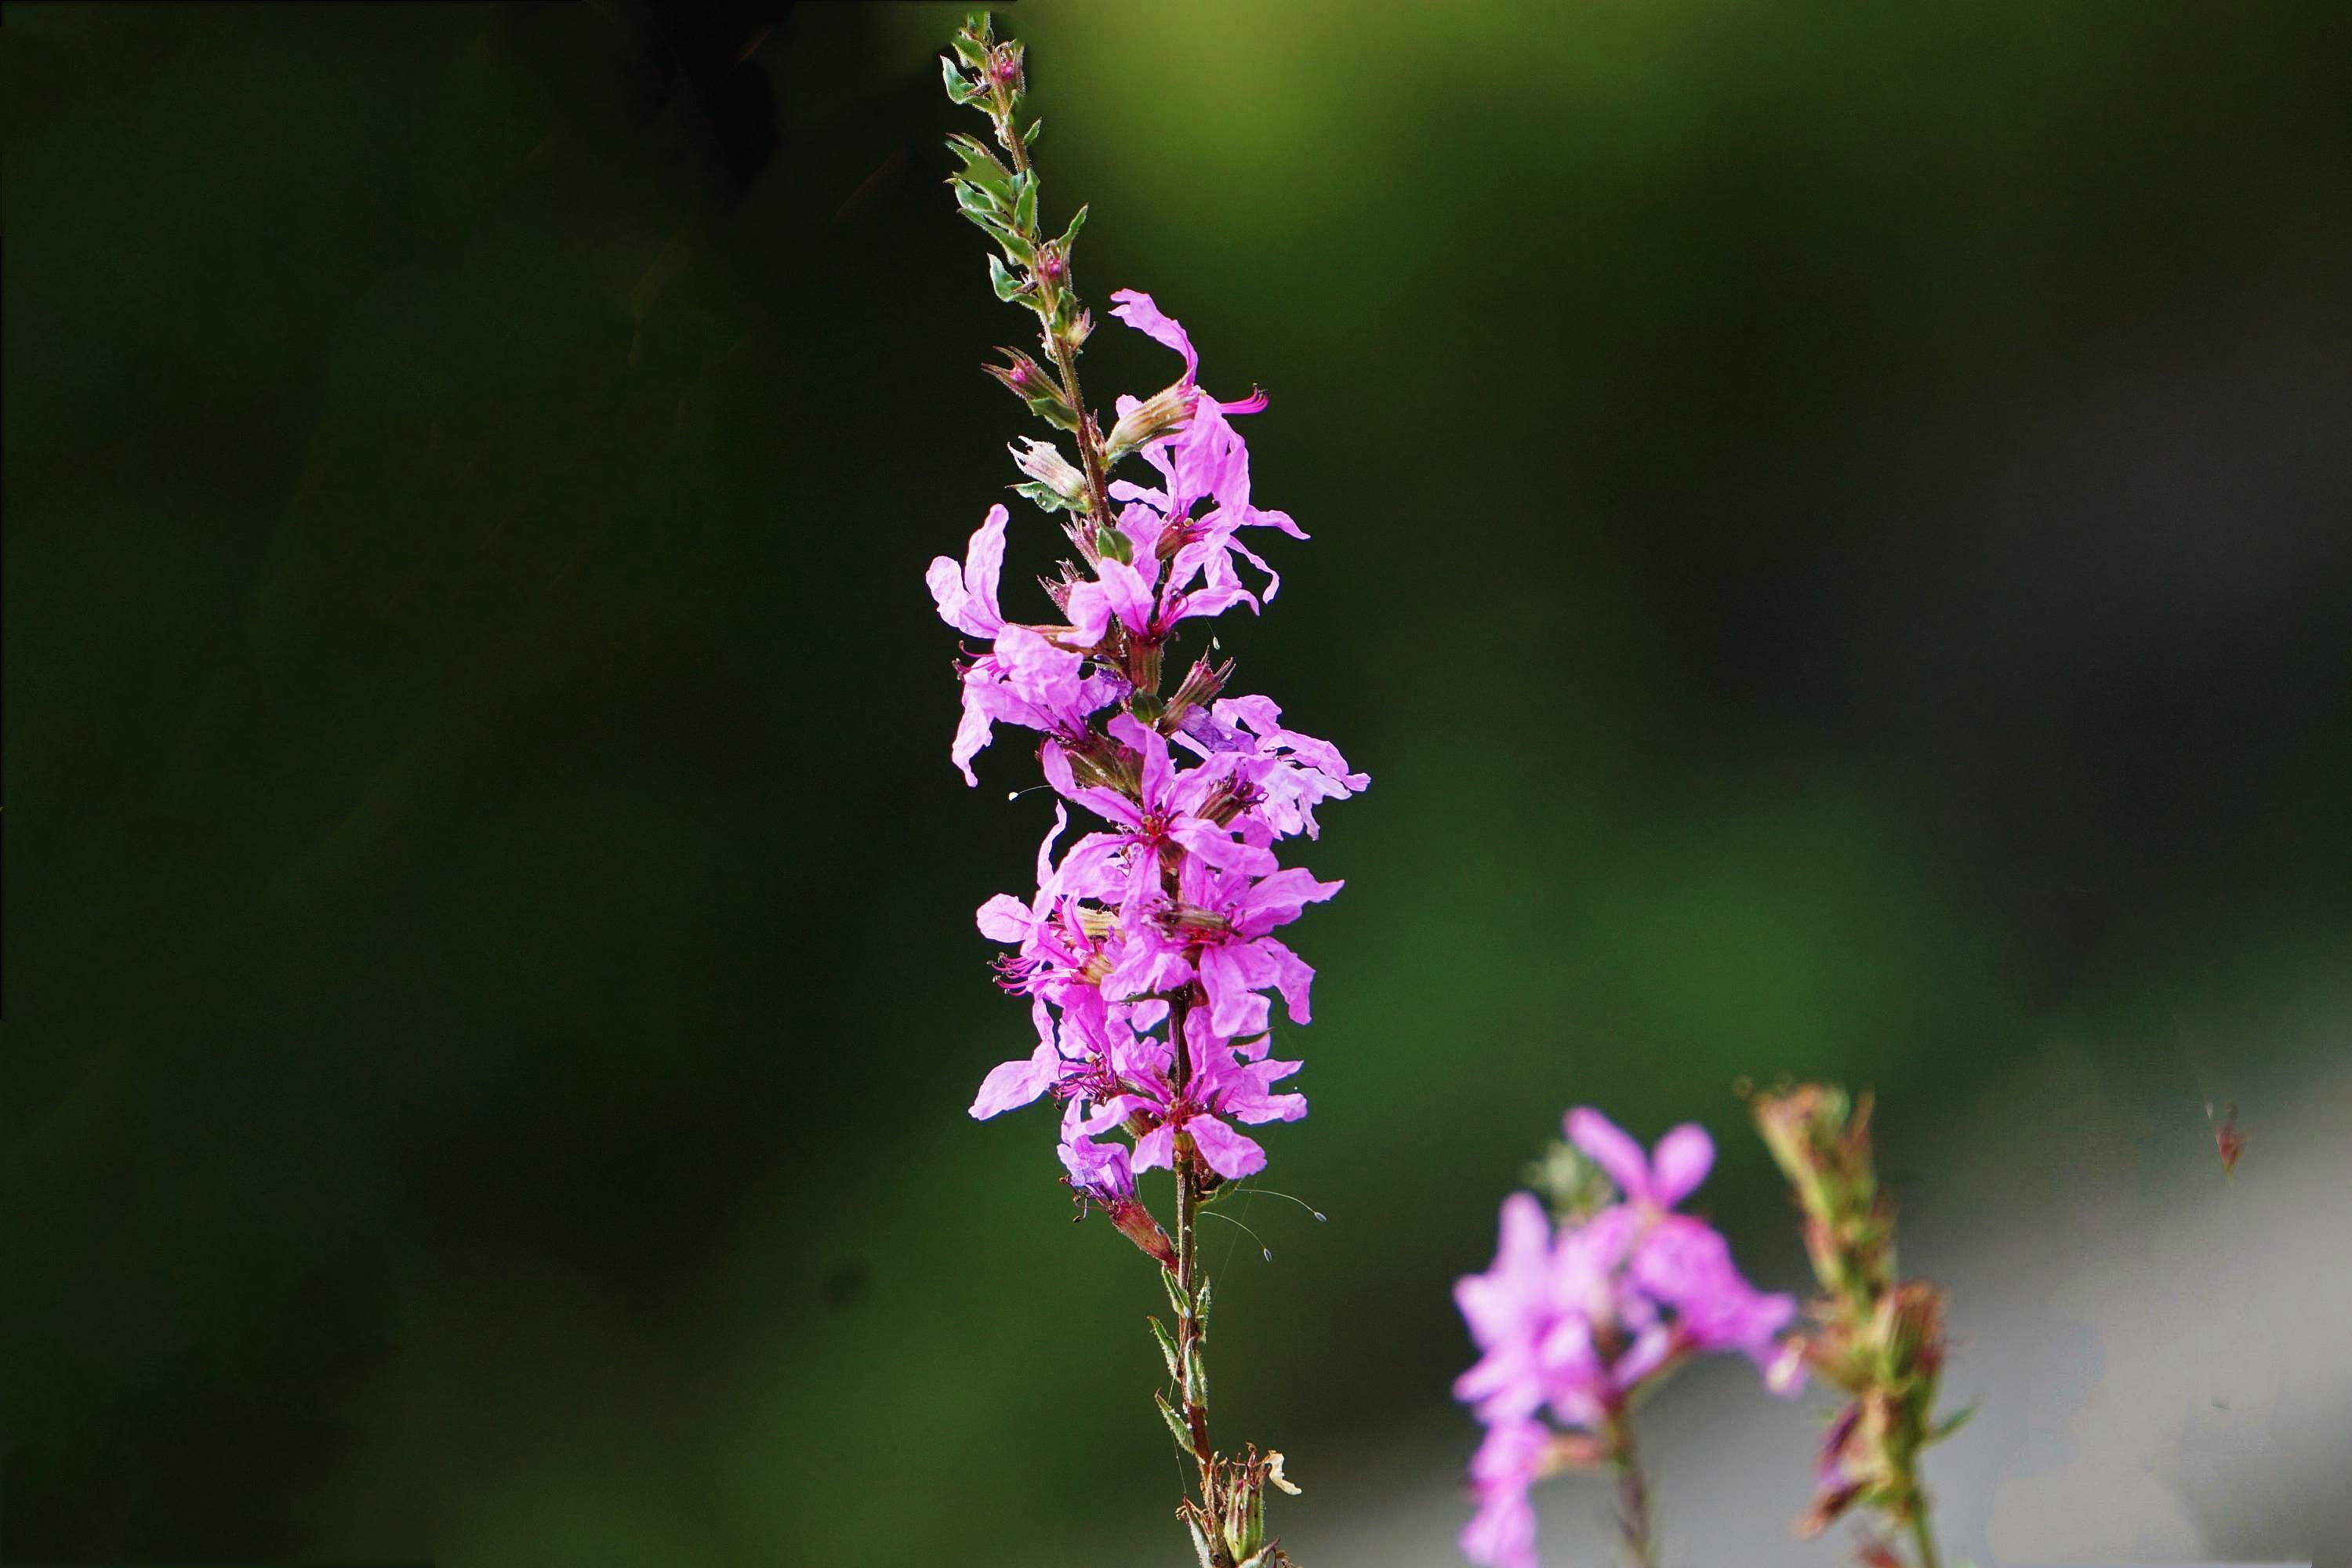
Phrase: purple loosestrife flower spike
x=1146 y=951
x=1579 y=1318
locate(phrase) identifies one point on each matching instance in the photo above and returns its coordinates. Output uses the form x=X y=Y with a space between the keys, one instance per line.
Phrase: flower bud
x=1005 y=67
x=1911 y=1328
x=1134 y=1223
x=1052 y=267
x=1161 y=414
x=1043 y=462
x=1034 y=385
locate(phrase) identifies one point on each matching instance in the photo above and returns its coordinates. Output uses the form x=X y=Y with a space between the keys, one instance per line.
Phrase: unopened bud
x=1034 y=385
x=1912 y=1327
x=1043 y=462
x=1005 y=67
x=1161 y=414
x=1052 y=267
x=1134 y=1223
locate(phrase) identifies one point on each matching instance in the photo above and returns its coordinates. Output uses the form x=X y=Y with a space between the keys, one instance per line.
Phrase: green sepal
x=1167 y=1347
x=1199 y=1543
x=1070 y=235
x=1053 y=412
x=1176 y=1427
x=1046 y=499
x=1000 y=277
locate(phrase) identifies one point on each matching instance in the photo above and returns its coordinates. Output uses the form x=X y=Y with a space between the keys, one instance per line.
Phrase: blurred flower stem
x=1878 y=1338
x=1633 y=1490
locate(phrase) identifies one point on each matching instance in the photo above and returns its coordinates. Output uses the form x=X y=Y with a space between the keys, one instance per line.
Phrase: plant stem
x=1925 y=1535
x=1191 y=1336
x=1633 y=1493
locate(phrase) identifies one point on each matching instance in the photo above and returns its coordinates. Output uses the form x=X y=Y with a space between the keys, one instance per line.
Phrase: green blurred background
x=1829 y=537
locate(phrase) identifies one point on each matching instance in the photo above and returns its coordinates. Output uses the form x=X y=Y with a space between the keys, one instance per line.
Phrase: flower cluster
x=1582 y=1319
x=1170 y=907
x=1148 y=949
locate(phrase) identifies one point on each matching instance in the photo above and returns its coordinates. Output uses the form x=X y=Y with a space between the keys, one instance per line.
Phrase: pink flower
x=966 y=595
x=1288 y=773
x=1164 y=822
x=1578 y=1321
x=1227 y=1081
x=1502 y=1534
x=1227 y=918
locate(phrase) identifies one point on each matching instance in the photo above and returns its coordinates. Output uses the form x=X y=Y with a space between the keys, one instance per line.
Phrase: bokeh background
x=1831 y=537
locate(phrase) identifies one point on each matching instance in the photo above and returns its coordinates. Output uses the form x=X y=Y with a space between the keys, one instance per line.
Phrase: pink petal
x=1016 y=1083
x=1683 y=1159
x=1610 y=1148
x=1229 y=1153
x=1136 y=308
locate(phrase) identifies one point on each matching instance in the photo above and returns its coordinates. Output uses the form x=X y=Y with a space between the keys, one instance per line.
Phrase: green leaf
x=1070 y=235
x=1199 y=1543
x=959 y=90
x=1025 y=203
x=1167 y=1347
x=1053 y=412
x=980 y=167
x=1183 y=1308
x=1938 y=1433
x=1182 y=1434
x=1045 y=498
x=976 y=202
x=1029 y=137
x=1000 y=278
x=974 y=53
x=1016 y=248
x=1196 y=1379
x=1204 y=1306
